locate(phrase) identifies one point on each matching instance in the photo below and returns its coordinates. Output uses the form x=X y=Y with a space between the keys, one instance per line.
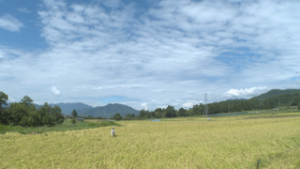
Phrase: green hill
x=276 y=92
x=108 y=110
x=67 y=108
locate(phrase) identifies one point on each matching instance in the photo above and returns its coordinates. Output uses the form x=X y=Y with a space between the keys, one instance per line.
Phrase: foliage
x=170 y=111
x=117 y=116
x=279 y=101
x=3 y=99
x=74 y=121
x=74 y=113
x=277 y=92
x=3 y=102
x=129 y=117
x=182 y=112
x=26 y=100
x=24 y=113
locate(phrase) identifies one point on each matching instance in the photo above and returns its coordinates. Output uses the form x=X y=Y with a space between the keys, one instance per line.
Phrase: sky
x=147 y=54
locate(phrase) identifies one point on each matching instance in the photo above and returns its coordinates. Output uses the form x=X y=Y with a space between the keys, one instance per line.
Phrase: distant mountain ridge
x=285 y=96
x=235 y=99
x=276 y=92
x=108 y=110
x=87 y=110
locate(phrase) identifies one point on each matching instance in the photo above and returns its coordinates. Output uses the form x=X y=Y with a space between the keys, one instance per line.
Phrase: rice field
x=224 y=142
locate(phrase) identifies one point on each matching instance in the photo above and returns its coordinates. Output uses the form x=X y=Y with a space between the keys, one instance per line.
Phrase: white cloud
x=112 y=3
x=172 y=52
x=144 y=106
x=163 y=107
x=189 y=105
x=55 y=91
x=10 y=99
x=246 y=92
x=10 y=23
x=24 y=10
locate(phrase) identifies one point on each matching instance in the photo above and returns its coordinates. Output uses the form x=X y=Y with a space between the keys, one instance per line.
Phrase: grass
x=188 y=142
x=66 y=126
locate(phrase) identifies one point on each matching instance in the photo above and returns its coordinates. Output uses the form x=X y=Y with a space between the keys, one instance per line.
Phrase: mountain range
x=276 y=92
x=87 y=110
x=111 y=109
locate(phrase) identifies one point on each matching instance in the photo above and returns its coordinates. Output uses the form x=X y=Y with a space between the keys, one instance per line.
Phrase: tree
x=4 y=115
x=129 y=116
x=144 y=114
x=18 y=111
x=56 y=111
x=26 y=100
x=158 y=112
x=182 y=112
x=117 y=116
x=299 y=106
x=74 y=113
x=3 y=99
x=170 y=111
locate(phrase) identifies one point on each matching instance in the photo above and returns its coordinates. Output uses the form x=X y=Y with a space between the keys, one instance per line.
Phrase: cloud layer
x=10 y=23
x=170 y=53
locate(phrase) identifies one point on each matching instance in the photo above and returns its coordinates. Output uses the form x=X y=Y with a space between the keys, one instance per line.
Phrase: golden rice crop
x=184 y=143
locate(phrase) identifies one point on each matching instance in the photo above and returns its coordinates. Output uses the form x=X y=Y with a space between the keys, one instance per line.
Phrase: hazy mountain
x=108 y=110
x=67 y=108
x=276 y=92
x=236 y=99
x=86 y=110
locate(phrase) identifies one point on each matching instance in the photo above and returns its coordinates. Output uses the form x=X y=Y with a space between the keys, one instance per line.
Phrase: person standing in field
x=113 y=133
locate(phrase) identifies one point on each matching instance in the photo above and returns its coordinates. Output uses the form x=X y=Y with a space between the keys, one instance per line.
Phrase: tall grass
x=67 y=125
x=167 y=144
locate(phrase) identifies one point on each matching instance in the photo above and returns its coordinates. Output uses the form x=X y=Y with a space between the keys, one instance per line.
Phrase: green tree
x=56 y=112
x=27 y=100
x=129 y=116
x=117 y=116
x=18 y=111
x=3 y=99
x=158 y=112
x=182 y=112
x=144 y=114
x=4 y=115
x=74 y=113
x=170 y=112
x=299 y=106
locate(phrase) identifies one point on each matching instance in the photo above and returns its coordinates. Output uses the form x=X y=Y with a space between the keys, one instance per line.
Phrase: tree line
x=24 y=113
x=280 y=101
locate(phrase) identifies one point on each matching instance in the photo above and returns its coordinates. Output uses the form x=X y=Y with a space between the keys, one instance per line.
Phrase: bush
x=92 y=124
x=74 y=121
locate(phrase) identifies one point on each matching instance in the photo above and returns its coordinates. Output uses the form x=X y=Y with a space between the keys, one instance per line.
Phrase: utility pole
x=206 y=110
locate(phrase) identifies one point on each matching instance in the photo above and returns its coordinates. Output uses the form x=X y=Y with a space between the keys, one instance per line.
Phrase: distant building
x=275 y=108
x=80 y=119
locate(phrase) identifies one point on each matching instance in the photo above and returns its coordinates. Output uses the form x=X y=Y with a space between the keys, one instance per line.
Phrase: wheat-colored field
x=178 y=143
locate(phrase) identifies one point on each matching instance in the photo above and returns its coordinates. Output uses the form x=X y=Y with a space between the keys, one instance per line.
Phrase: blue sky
x=147 y=54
